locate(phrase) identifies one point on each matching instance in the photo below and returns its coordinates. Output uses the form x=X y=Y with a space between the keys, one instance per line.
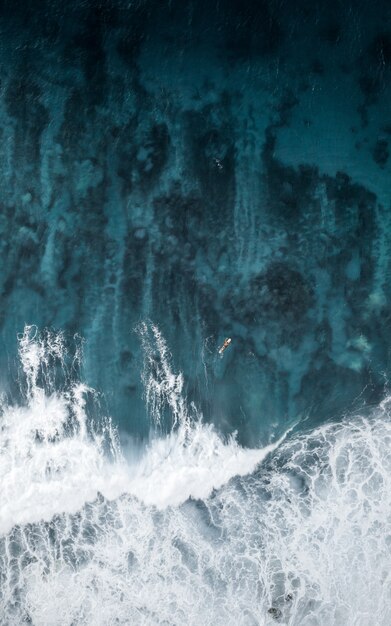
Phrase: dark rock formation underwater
x=221 y=168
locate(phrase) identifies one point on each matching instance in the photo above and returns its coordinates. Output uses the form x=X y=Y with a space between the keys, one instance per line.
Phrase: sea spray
x=163 y=388
x=54 y=458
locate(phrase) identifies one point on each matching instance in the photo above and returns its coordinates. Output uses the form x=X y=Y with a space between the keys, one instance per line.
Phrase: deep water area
x=221 y=168
x=195 y=313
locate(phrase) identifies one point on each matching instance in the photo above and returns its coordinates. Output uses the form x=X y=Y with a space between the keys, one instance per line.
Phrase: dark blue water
x=218 y=169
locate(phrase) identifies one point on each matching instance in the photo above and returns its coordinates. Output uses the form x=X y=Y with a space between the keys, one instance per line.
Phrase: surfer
x=225 y=345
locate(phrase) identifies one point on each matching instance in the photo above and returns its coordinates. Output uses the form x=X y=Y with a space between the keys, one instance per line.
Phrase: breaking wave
x=193 y=528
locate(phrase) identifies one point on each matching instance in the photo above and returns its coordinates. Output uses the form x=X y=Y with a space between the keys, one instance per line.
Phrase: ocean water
x=173 y=174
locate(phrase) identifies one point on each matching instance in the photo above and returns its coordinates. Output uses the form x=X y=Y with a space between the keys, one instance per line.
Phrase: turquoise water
x=211 y=169
x=173 y=174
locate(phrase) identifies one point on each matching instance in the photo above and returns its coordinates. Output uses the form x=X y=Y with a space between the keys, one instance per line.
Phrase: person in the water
x=225 y=345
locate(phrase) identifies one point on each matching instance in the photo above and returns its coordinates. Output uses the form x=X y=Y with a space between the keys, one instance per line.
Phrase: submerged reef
x=159 y=162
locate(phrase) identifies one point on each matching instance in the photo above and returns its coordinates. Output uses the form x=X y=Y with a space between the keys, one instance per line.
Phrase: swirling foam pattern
x=193 y=529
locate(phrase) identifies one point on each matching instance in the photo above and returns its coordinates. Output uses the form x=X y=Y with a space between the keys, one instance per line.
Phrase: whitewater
x=190 y=528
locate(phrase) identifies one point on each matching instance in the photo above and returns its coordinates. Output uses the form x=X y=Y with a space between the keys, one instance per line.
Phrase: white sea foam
x=51 y=462
x=308 y=534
